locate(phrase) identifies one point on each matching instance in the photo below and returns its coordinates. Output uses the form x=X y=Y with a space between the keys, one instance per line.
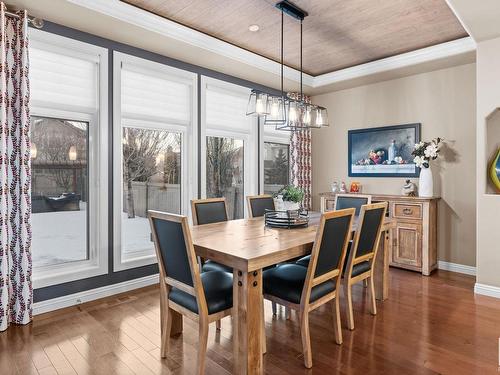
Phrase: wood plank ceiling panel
x=337 y=33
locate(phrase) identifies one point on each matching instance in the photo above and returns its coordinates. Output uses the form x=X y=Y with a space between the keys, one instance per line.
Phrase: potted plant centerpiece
x=289 y=198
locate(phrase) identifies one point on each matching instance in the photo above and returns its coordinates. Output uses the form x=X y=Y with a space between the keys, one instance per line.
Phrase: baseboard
x=93 y=294
x=487 y=290
x=455 y=267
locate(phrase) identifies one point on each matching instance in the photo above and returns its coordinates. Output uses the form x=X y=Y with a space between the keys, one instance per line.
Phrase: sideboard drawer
x=407 y=211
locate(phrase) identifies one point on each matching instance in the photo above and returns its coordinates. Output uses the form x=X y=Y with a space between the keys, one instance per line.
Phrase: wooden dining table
x=248 y=246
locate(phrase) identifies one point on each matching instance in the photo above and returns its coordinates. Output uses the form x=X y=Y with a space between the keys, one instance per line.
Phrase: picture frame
x=383 y=151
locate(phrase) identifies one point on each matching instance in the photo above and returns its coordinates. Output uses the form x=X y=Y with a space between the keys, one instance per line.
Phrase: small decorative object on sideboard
x=355 y=187
x=343 y=188
x=289 y=198
x=424 y=153
x=335 y=187
x=494 y=171
x=409 y=189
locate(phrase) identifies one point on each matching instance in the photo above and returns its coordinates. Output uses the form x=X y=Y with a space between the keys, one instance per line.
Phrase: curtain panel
x=16 y=293
x=300 y=158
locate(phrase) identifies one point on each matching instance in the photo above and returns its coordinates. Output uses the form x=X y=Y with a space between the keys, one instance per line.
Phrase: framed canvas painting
x=384 y=151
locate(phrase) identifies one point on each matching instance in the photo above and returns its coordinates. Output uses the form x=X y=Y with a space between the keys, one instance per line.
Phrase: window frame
x=188 y=149
x=250 y=140
x=97 y=119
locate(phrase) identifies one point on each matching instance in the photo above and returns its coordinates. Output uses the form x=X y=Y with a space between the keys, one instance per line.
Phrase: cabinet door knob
x=407 y=211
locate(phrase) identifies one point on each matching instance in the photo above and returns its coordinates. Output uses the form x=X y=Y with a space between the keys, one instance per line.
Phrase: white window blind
x=226 y=110
x=154 y=95
x=57 y=79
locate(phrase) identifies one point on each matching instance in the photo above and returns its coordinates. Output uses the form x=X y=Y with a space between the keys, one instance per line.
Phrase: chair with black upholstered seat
x=362 y=254
x=305 y=289
x=205 y=297
x=208 y=211
x=343 y=201
x=258 y=204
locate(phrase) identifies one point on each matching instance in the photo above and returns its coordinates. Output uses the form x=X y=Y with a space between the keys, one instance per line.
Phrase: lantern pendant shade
x=277 y=111
x=258 y=104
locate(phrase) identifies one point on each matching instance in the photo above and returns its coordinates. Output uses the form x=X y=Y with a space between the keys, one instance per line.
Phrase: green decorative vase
x=494 y=171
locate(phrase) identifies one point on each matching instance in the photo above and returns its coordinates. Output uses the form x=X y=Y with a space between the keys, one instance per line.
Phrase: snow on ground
x=61 y=237
x=58 y=237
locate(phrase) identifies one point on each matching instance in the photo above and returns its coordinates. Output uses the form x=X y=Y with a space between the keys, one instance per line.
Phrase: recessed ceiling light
x=253 y=28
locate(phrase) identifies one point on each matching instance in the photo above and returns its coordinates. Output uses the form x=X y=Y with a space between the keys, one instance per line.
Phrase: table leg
x=247 y=322
x=176 y=323
x=381 y=274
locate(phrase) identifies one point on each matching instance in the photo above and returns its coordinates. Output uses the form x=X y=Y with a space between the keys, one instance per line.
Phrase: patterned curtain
x=300 y=158
x=16 y=293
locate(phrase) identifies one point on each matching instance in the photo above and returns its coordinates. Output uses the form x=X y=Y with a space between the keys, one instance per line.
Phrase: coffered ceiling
x=337 y=33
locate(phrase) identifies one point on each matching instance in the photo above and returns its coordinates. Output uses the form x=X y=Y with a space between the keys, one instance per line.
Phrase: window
x=154 y=147
x=151 y=181
x=276 y=166
x=225 y=173
x=275 y=160
x=229 y=146
x=69 y=164
x=59 y=190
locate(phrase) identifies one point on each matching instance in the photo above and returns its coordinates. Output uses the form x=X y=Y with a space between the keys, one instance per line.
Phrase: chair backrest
x=258 y=204
x=343 y=201
x=368 y=233
x=329 y=250
x=210 y=210
x=176 y=256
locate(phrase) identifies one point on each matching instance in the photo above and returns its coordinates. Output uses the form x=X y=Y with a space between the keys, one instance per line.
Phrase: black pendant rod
x=282 y=53
x=301 y=98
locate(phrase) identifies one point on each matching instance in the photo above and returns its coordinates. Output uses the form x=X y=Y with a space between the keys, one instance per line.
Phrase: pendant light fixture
x=282 y=111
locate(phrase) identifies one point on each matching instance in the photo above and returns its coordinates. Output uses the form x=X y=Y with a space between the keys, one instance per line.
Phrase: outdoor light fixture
x=33 y=151
x=280 y=110
x=72 y=153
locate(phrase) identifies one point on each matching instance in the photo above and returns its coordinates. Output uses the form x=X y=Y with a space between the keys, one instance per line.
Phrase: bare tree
x=141 y=148
x=221 y=155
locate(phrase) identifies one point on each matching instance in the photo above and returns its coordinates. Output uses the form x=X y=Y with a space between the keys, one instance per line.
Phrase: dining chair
x=351 y=201
x=258 y=204
x=204 y=298
x=362 y=254
x=343 y=201
x=208 y=211
x=305 y=289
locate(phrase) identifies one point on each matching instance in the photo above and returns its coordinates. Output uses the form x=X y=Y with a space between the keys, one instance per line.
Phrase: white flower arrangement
x=424 y=152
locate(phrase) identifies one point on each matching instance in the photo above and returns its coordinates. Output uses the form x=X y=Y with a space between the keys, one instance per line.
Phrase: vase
x=494 y=171
x=425 y=184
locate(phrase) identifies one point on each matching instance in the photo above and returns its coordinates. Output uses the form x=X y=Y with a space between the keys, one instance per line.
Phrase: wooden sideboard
x=414 y=237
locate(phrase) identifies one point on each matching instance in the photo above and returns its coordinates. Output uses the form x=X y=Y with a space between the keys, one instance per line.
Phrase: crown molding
x=160 y=25
x=423 y=55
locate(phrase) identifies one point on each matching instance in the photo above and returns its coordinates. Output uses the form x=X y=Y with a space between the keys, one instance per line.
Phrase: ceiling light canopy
x=283 y=111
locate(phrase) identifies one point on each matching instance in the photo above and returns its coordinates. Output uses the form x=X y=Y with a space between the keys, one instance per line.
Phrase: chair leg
x=337 y=325
x=288 y=313
x=218 y=325
x=350 y=313
x=202 y=349
x=166 y=326
x=372 y=296
x=365 y=283
x=264 y=346
x=306 y=339
x=275 y=309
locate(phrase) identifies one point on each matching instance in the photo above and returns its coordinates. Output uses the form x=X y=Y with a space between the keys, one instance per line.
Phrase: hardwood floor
x=430 y=325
